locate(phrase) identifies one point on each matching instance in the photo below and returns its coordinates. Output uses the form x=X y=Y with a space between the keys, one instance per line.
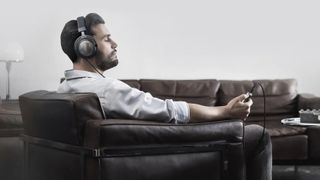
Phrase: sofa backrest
x=193 y=91
x=281 y=95
x=59 y=116
x=202 y=92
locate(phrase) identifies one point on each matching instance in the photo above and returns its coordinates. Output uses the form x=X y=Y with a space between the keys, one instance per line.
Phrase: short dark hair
x=70 y=33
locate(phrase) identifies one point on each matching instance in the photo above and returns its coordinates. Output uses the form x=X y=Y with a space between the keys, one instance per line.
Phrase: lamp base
x=8 y=67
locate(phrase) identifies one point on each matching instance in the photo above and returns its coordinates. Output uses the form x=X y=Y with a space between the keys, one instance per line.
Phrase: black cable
x=264 y=122
x=243 y=131
x=264 y=113
x=94 y=68
x=244 y=153
x=264 y=106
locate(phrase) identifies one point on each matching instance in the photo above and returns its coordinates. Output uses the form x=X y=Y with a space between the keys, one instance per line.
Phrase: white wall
x=172 y=39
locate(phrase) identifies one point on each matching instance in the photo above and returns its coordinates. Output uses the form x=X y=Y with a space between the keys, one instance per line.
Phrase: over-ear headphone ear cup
x=85 y=46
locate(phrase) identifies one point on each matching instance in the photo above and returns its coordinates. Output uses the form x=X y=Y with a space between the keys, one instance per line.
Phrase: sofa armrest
x=116 y=132
x=308 y=101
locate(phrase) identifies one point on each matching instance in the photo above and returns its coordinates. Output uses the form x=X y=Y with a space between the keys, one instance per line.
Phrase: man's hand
x=237 y=108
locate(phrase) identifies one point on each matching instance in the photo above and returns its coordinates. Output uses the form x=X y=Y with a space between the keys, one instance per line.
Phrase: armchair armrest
x=118 y=132
x=308 y=101
x=163 y=150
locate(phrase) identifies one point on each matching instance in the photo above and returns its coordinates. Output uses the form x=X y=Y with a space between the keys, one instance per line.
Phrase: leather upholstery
x=133 y=83
x=281 y=95
x=290 y=147
x=276 y=129
x=308 y=101
x=150 y=133
x=67 y=134
x=11 y=146
x=313 y=142
x=65 y=114
x=11 y=158
x=194 y=91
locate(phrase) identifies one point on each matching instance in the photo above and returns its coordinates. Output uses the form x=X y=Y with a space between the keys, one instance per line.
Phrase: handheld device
x=249 y=93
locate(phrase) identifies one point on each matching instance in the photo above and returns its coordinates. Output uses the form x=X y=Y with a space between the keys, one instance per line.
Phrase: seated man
x=89 y=45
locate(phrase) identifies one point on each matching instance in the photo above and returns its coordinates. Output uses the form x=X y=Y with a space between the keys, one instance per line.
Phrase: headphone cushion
x=85 y=46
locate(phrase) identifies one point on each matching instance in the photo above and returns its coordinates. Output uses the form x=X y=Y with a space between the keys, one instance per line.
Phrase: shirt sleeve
x=123 y=101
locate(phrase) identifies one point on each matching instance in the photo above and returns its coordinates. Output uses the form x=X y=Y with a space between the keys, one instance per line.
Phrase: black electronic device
x=249 y=93
x=309 y=116
x=85 y=46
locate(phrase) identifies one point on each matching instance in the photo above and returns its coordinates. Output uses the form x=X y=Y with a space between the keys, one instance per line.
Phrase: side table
x=296 y=122
x=313 y=131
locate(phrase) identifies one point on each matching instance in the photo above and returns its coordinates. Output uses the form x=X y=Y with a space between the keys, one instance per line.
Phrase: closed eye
x=107 y=38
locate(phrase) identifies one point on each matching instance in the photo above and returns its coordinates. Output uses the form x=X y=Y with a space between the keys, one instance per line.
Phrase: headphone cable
x=264 y=113
x=87 y=60
x=264 y=124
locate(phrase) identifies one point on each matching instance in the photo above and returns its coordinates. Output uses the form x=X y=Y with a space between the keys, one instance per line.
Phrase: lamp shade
x=12 y=52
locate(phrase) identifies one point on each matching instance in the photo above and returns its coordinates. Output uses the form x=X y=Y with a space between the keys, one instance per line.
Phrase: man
x=121 y=101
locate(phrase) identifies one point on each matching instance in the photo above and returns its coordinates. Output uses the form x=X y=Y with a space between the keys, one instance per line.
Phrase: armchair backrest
x=65 y=114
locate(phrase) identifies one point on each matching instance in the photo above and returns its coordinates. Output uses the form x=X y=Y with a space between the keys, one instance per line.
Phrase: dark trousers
x=258 y=153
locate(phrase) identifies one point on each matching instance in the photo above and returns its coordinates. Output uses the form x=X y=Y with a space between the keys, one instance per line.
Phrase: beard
x=106 y=62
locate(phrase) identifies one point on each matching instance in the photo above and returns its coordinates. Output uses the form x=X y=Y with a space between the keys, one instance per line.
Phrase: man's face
x=106 y=57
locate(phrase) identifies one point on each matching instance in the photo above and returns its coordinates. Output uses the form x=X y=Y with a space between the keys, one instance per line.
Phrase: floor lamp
x=10 y=53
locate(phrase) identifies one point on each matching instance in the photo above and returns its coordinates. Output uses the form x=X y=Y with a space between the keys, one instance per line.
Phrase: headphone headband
x=81 y=24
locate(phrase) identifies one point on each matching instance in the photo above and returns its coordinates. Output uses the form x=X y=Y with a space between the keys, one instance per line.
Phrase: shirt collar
x=78 y=74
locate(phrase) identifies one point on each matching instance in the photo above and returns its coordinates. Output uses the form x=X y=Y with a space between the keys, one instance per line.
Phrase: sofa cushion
x=132 y=83
x=281 y=95
x=290 y=147
x=276 y=129
x=202 y=92
x=314 y=143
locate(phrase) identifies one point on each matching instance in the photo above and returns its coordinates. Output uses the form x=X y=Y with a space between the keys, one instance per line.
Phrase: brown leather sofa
x=67 y=137
x=291 y=145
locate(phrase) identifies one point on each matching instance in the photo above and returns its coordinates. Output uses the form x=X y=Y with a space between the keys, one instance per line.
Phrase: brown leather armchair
x=67 y=137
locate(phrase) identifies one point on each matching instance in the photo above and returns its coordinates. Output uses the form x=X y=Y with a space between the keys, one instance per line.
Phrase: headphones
x=85 y=46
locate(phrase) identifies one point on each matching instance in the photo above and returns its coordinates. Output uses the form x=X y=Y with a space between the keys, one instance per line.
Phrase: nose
x=113 y=44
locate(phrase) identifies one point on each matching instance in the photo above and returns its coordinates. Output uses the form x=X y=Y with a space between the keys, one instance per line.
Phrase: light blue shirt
x=119 y=100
